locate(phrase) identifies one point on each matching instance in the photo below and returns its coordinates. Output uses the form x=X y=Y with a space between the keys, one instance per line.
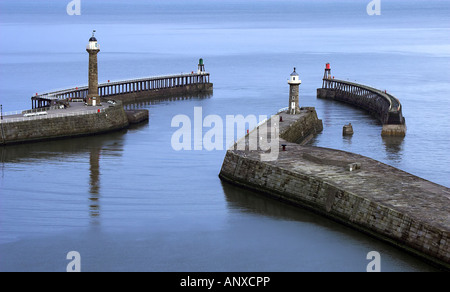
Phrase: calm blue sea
x=127 y=201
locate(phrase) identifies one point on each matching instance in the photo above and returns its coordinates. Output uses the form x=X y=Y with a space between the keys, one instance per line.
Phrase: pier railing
x=110 y=89
x=380 y=103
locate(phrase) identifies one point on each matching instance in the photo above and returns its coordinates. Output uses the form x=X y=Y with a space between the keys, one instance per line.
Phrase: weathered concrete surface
x=111 y=119
x=137 y=116
x=394 y=130
x=300 y=128
x=375 y=198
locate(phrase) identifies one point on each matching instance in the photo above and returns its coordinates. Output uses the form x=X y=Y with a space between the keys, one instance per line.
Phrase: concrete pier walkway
x=74 y=109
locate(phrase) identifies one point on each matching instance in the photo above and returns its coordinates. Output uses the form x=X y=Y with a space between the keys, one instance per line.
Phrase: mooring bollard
x=347 y=130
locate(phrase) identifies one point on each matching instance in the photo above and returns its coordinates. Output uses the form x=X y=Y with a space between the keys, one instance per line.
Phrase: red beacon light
x=328 y=67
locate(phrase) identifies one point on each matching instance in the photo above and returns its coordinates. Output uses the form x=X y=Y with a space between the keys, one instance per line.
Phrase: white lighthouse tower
x=294 y=86
x=93 y=49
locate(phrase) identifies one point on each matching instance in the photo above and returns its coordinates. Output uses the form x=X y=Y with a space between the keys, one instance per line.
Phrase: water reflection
x=328 y=108
x=394 y=148
x=248 y=201
x=70 y=150
x=66 y=149
x=94 y=162
x=347 y=140
x=2 y=160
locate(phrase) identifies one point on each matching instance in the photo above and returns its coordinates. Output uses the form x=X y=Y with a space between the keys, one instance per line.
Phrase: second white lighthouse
x=294 y=86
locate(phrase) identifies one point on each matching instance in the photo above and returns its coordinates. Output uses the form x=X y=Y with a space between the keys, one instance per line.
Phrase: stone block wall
x=429 y=242
x=303 y=128
x=319 y=179
x=113 y=118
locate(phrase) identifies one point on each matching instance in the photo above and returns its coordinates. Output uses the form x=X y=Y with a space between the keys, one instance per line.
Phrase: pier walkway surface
x=375 y=198
x=74 y=109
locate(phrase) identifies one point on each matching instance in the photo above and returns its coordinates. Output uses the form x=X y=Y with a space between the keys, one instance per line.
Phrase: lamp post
x=1 y=111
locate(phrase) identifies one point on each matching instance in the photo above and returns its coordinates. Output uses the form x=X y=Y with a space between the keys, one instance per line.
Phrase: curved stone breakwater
x=382 y=105
x=372 y=197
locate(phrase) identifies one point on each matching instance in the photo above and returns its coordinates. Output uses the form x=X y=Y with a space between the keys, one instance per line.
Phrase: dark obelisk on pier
x=93 y=49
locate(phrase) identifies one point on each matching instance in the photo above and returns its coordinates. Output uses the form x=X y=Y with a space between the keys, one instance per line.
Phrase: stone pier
x=382 y=105
x=78 y=120
x=377 y=199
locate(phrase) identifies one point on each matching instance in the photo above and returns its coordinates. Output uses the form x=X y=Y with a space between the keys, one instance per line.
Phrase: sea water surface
x=127 y=201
